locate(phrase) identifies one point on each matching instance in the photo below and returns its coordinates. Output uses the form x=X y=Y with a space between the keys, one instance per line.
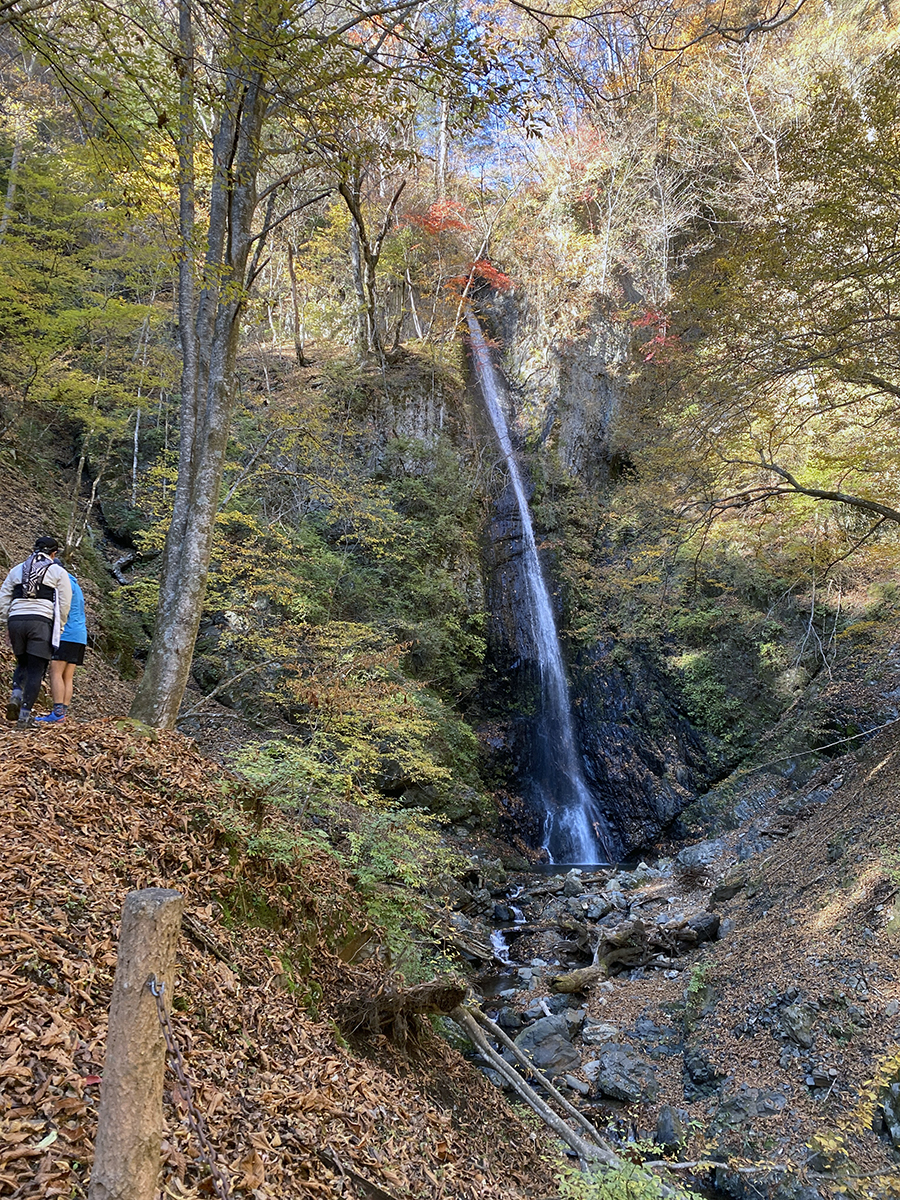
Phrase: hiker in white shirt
x=34 y=602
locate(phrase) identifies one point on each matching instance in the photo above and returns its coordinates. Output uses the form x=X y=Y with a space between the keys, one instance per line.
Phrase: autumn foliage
x=440 y=217
x=661 y=342
x=483 y=270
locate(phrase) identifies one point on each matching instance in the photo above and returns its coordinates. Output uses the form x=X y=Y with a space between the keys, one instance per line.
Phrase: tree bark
x=351 y=192
x=443 y=149
x=298 y=339
x=585 y=1150
x=209 y=338
x=365 y=252
x=11 y=183
x=126 y=1158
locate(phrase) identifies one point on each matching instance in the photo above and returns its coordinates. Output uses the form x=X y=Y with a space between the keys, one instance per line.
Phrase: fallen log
x=579 y=980
x=587 y=1151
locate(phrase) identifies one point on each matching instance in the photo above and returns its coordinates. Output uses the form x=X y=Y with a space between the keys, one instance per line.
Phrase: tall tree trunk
x=352 y=195
x=364 y=255
x=209 y=338
x=295 y=304
x=11 y=182
x=443 y=149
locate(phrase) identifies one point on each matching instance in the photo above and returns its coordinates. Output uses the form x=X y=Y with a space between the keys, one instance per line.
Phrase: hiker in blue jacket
x=68 y=656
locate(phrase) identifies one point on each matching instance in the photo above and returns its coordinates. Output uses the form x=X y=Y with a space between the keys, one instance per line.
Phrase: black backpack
x=32 y=586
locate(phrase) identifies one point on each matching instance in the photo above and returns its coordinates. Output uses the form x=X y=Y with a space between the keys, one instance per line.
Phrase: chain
x=176 y=1062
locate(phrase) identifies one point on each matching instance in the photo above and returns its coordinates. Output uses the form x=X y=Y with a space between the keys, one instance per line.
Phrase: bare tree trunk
x=298 y=338
x=209 y=351
x=11 y=183
x=134 y=455
x=412 y=304
x=364 y=255
x=351 y=194
x=443 y=149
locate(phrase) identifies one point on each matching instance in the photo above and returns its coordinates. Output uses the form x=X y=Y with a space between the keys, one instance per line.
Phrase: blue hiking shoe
x=52 y=718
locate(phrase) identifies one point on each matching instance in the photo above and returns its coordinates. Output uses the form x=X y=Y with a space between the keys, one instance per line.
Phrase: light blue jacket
x=76 y=625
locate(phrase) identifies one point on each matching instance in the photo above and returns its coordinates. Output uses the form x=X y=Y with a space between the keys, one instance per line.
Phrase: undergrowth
x=390 y=852
x=629 y=1182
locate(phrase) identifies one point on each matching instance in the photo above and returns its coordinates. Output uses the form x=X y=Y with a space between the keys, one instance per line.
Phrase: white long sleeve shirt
x=55 y=611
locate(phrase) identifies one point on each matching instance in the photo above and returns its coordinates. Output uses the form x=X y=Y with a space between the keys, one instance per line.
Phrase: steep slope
x=93 y=811
x=777 y=1044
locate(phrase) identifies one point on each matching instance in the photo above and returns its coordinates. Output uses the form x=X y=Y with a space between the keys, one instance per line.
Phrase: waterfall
x=575 y=830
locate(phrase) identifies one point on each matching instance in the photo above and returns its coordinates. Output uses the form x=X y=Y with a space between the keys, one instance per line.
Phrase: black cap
x=48 y=544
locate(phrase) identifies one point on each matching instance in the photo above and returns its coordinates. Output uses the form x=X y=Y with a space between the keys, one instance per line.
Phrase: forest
x=246 y=257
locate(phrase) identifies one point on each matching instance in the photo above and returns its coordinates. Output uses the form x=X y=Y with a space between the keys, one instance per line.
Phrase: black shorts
x=30 y=635
x=70 y=652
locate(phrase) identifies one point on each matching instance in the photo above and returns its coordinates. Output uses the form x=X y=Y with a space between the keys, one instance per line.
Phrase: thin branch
x=275 y=662
x=290 y=212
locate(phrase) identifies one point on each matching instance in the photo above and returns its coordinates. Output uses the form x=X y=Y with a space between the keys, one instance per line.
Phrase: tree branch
x=585 y=1150
x=872 y=506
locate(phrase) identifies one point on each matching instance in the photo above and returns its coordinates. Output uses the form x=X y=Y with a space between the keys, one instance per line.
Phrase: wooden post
x=126 y=1156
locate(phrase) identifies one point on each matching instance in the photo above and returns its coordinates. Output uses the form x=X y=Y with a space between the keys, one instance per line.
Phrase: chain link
x=176 y=1062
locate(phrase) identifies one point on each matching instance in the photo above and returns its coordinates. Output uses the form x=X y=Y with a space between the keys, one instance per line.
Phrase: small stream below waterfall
x=612 y=1048
x=575 y=829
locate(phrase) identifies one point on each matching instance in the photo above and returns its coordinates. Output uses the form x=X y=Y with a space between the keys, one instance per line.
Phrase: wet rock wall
x=642 y=758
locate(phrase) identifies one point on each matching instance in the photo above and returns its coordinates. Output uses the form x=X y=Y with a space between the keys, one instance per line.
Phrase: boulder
x=890 y=1107
x=596 y=1033
x=670 y=1128
x=699 y=855
x=624 y=1075
x=508 y=1018
x=577 y=1085
x=575 y=1018
x=727 y=889
x=549 y=1047
x=743 y=1107
x=700 y=1077
x=573 y=885
x=705 y=926
x=797 y=1023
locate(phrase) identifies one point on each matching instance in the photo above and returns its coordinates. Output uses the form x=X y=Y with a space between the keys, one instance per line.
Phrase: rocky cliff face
x=642 y=758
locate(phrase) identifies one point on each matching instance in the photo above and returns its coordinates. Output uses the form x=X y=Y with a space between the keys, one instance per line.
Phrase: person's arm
x=63 y=587
x=6 y=594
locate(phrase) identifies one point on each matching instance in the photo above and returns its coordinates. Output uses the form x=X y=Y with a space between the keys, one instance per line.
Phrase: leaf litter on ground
x=94 y=811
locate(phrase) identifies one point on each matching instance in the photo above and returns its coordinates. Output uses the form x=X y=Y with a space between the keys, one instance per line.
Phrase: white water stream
x=575 y=831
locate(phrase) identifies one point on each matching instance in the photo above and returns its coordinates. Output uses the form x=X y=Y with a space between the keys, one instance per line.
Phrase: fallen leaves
x=94 y=811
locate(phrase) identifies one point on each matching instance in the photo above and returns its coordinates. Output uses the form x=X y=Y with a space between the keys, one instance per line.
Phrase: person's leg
x=57 y=681
x=61 y=677
x=18 y=640
x=18 y=683
x=68 y=683
x=35 y=666
x=30 y=641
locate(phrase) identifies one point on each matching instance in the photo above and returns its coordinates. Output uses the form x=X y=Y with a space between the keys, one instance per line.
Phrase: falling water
x=574 y=829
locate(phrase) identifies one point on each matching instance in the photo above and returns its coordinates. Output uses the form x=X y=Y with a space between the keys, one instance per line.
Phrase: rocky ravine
x=745 y=1013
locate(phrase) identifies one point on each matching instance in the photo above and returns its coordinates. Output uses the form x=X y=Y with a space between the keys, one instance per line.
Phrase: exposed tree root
x=395 y=1012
